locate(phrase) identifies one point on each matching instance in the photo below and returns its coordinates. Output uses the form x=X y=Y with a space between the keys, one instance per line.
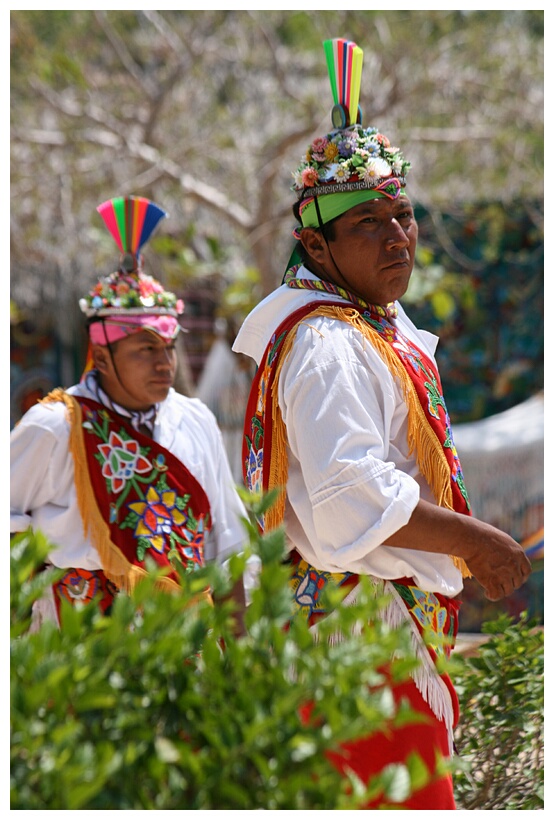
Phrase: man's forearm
x=493 y=557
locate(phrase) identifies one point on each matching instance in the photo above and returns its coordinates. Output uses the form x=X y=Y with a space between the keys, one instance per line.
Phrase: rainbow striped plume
x=344 y=65
x=131 y=221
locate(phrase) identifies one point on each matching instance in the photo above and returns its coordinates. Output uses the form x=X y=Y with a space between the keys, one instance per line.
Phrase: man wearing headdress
x=347 y=413
x=120 y=469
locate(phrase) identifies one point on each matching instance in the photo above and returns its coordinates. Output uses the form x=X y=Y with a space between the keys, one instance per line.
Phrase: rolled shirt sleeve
x=42 y=486
x=228 y=509
x=350 y=481
x=41 y=469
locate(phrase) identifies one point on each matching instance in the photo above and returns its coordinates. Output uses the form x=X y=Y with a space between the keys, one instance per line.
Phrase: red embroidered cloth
x=153 y=505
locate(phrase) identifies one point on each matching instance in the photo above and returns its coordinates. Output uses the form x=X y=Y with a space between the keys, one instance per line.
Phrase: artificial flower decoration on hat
x=129 y=291
x=349 y=158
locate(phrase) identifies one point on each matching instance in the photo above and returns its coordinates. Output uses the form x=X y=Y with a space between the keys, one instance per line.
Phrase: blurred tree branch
x=208 y=112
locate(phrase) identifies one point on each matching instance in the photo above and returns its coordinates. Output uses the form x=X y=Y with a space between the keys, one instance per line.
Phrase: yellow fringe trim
x=421 y=438
x=114 y=564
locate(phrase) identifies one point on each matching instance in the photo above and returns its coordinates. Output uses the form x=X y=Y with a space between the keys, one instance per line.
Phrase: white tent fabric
x=502 y=459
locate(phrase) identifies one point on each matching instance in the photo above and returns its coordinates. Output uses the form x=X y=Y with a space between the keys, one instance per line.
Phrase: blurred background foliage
x=208 y=112
x=481 y=292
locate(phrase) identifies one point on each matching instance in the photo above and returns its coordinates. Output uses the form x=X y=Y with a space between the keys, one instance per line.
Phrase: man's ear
x=314 y=244
x=100 y=357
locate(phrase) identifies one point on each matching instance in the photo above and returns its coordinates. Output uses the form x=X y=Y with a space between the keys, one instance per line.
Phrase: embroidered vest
x=136 y=499
x=429 y=430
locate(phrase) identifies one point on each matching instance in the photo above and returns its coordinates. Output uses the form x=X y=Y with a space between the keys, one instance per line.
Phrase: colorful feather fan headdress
x=349 y=158
x=129 y=291
x=344 y=65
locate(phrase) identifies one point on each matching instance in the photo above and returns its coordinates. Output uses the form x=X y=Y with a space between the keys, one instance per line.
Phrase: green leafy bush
x=161 y=706
x=500 y=736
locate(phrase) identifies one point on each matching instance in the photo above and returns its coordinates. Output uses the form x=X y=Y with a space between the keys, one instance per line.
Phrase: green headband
x=333 y=205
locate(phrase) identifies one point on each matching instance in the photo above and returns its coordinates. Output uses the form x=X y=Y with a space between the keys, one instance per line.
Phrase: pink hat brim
x=113 y=329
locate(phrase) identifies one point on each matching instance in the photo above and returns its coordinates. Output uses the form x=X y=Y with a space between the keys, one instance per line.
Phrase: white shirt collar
x=137 y=418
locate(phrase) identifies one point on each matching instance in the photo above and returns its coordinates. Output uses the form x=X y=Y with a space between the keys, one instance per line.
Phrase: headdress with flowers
x=129 y=291
x=349 y=158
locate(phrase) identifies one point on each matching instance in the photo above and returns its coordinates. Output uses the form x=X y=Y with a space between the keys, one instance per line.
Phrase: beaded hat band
x=112 y=329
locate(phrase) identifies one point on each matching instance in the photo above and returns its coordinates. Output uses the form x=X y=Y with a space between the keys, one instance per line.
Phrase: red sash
x=137 y=500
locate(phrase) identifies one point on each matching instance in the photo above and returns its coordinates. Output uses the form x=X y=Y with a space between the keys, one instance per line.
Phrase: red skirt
x=368 y=756
x=429 y=739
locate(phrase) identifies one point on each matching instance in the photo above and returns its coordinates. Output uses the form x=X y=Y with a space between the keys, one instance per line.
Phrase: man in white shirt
x=347 y=412
x=120 y=468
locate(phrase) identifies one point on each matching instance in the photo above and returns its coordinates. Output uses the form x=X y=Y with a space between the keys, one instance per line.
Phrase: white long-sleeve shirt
x=351 y=480
x=43 y=491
